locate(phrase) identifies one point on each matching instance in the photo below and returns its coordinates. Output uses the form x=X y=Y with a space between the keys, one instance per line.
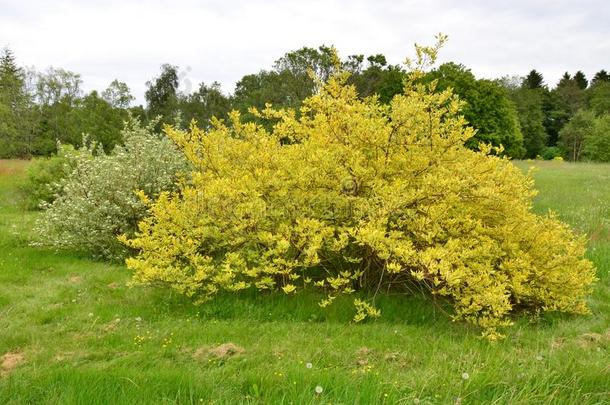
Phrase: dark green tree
x=560 y=105
x=294 y=77
x=205 y=103
x=8 y=66
x=162 y=96
x=565 y=80
x=533 y=80
x=98 y=119
x=378 y=60
x=598 y=98
x=378 y=78
x=555 y=114
x=571 y=96
x=57 y=93
x=488 y=108
x=600 y=77
x=530 y=107
x=302 y=61
x=138 y=112
x=281 y=89
x=16 y=119
x=581 y=80
x=353 y=64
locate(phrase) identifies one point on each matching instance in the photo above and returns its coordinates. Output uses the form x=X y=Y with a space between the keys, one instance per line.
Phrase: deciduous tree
x=117 y=94
x=488 y=107
x=572 y=136
x=162 y=96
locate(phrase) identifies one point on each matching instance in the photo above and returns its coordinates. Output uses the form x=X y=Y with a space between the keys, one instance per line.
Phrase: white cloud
x=222 y=40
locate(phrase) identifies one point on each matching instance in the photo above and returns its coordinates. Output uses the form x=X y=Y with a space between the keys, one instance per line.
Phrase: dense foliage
x=524 y=115
x=551 y=119
x=487 y=108
x=46 y=175
x=97 y=201
x=350 y=195
x=14 y=111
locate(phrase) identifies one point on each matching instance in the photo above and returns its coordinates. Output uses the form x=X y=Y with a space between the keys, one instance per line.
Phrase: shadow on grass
x=300 y=307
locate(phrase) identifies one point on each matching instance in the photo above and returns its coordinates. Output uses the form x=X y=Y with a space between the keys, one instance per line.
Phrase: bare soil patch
x=10 y=361
x=224 y=351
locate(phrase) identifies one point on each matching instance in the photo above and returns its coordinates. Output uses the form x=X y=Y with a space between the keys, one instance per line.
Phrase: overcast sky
x=224 y=40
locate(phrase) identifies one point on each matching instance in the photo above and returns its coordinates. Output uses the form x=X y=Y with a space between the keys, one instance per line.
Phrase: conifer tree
x=15 y=137
x=581 y=80
x=600 y=77
x=533 y=80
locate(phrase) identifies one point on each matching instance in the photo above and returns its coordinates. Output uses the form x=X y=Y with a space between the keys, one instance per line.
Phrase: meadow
x=73 y=331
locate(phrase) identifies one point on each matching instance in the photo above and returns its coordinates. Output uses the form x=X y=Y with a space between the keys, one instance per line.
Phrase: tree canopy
x=523 y=114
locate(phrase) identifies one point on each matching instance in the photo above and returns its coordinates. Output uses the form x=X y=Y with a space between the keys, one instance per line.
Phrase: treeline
x=525 y=115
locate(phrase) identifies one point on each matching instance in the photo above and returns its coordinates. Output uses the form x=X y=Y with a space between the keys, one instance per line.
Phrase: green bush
x=97 y=200
x=46 y=175
x=551 y=153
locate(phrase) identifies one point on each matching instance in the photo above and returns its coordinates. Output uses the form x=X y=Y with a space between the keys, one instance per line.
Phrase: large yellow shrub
x=349 y=194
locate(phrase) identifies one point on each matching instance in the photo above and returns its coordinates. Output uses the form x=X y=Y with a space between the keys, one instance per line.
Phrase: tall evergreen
x=581 y=80
x=533 y=80
x=600 y=77
x=15 y=134
x=8 y=66
x=11 y=78
x=565 y=80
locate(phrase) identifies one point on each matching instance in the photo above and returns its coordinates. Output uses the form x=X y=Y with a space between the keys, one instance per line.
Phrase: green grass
x=88 y=338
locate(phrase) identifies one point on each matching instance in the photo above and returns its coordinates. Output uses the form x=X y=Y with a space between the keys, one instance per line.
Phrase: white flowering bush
x=99 y=199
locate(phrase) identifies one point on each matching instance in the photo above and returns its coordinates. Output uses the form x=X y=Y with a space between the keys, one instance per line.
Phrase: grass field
x=72 y=331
